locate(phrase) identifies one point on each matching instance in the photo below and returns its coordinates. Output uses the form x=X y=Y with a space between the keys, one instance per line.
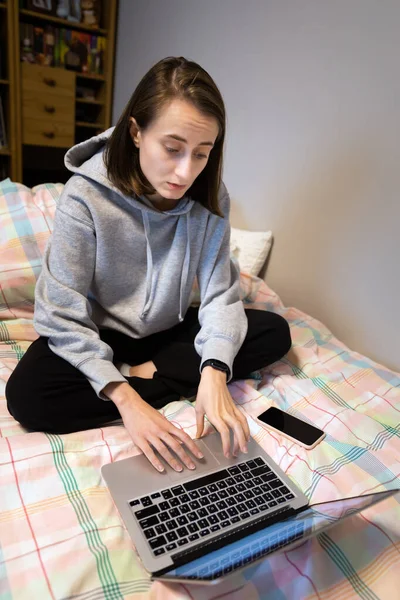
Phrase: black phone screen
x=289 y=425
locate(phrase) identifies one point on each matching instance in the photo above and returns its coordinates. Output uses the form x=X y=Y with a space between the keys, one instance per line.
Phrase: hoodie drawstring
x=150 y=287
x=149 y=269
x=185 y=270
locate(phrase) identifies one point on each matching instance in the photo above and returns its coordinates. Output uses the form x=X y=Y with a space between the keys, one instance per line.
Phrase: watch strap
x=216 y=364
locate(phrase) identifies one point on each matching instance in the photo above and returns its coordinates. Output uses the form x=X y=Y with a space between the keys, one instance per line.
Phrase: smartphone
x=291 y=427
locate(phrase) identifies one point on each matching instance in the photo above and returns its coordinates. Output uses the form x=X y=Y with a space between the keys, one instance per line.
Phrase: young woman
x=145 y=213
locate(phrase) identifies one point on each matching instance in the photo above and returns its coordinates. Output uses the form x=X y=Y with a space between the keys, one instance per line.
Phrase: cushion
x=26 y=217
x=251 y=249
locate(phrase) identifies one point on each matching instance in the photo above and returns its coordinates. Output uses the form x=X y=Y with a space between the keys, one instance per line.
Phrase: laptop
x=205 y=525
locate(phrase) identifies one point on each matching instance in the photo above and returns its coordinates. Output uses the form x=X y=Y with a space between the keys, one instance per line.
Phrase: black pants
x=46 y=393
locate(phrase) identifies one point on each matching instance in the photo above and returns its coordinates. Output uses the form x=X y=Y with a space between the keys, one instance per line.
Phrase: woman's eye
x=172 y=150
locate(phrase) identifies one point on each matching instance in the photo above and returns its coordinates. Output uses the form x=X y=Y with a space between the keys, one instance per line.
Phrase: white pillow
x=251 y=249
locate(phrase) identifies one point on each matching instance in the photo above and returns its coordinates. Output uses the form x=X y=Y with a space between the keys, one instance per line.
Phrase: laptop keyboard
x=197 y=509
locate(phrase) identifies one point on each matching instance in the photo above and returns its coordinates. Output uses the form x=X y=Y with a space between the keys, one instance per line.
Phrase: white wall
x=312 y=92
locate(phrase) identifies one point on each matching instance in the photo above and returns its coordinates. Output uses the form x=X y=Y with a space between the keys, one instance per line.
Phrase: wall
x=312 y=149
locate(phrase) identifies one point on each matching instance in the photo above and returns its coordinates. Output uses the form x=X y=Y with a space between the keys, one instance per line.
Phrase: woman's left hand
x=214 y=400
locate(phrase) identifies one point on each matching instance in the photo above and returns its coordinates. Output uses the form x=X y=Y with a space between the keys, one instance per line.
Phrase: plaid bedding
x=61 y=536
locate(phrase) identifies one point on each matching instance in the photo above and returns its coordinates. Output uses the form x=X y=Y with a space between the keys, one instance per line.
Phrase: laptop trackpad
x=208 y=462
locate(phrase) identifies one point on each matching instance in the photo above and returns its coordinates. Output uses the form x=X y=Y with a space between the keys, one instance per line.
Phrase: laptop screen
x=274 y=538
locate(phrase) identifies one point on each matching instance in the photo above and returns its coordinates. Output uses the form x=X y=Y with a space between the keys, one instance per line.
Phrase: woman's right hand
x=149 y=429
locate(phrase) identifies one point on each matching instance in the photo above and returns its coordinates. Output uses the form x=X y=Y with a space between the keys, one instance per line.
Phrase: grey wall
x=312 y=92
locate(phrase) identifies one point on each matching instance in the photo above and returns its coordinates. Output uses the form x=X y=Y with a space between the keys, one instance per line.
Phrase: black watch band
x=216 y=364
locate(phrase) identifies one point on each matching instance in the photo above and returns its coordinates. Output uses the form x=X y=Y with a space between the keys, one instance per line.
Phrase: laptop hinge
x=182 y=558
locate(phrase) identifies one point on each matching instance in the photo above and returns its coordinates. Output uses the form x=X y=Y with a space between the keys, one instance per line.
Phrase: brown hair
x=170 y=78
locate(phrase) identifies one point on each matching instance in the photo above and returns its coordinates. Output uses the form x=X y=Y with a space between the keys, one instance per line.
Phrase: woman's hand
x=214 y=400
x=149 y=429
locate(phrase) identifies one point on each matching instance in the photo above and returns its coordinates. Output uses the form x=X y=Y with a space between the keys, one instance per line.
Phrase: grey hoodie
x=116 y=262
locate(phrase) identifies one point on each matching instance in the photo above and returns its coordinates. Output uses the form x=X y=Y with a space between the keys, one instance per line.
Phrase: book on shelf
x=3 y=133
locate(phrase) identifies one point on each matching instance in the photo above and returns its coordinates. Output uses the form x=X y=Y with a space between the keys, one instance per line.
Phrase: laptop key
x=235 y=520
x=184 y=498
x=250 y=504
x=170 y=547
x=177 y=490
x=174 y=502
x=261 y=471
x=241 y=508
x=155 y=495
x=171 y=536
x=259 y=461
x=214 y=528
x=202 y=512
x=266 y=487
x=194 y=495
x=223 y=515
x=182 y=541
x=164 y=516
x=223 y=494
x=290 y=497
x=204 y=501
x=240 y=498
x=259 y=500
x=276 y=493
x=231 y=490
x=231 y=501
x=275 y=483
x=192 y=516
x=244 y=515
x=251 y=464
x=241 y=487
x=174 y=512
x=257 y=481
x=182 y=532
x=263 y=507
x=150 y=522
x=203 y=523
x=239 y=478
x=182 y=520
x=268 y=497
x=281 y=500
x=204 y=532
x=222 y=504
x=272 y=503
x=230 y=481
x=147 y=512
x=149 y=533
x=212 y=488
x=203 y=491
x=248 y=495
x=194 y=505
x=214 y=498
x=268 y=476
x=249 y=484
x=134 y=502
x=213 y=519
x=212 y=509
x=234 y=470
x=225 y=523
x=193 y=537
x=158 y=551
x=243 y=467
x=161 y=529
x=248 y=475
x=254 y=511
x=146 y=501
x=185 y=508
x=257 y=490
x=166 y=494
x=285 y=490
x=157 y=542
x=164 y=505
x=171 y=524
x=193 y=527
x=232 y=512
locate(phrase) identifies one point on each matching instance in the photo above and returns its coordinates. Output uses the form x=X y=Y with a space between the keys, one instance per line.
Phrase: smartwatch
x=216 y=364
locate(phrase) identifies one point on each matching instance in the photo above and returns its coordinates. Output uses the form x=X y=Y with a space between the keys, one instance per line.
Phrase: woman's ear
x=133 y=130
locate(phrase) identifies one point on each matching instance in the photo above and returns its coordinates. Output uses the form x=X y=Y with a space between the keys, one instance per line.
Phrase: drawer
x=40 y=132
x=52 y=107
x=45 y=80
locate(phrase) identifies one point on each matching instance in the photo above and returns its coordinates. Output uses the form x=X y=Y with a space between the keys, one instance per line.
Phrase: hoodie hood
x=86 y=159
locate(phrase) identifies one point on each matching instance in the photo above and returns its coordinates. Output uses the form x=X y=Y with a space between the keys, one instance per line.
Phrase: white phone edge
x=288 y=437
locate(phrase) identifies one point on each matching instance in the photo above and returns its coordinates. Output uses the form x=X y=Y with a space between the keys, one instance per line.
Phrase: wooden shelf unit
x=48 y=110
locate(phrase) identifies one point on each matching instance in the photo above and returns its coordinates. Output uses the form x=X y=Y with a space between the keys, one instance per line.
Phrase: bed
x=60 y=533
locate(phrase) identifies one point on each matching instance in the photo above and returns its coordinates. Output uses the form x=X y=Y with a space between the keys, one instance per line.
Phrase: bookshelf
x=63 y=85
x=9 y=160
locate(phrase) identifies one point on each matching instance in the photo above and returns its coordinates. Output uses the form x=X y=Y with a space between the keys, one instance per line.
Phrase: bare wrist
x=120 y=393
x=214 y=373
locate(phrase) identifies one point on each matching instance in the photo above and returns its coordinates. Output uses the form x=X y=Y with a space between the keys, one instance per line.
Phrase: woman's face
x=164 y=159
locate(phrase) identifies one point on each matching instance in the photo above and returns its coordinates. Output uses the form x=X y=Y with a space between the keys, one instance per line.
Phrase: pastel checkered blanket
x=61 y=536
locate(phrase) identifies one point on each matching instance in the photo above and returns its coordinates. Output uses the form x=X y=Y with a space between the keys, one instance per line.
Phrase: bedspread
x=61 y=536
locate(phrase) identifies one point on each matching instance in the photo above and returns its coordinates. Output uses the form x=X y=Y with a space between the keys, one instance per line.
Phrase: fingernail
x=160 y=468
x=200 y=455
x=245 y=450
x=192 y=466
x=227 y=455
x=179 y=469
